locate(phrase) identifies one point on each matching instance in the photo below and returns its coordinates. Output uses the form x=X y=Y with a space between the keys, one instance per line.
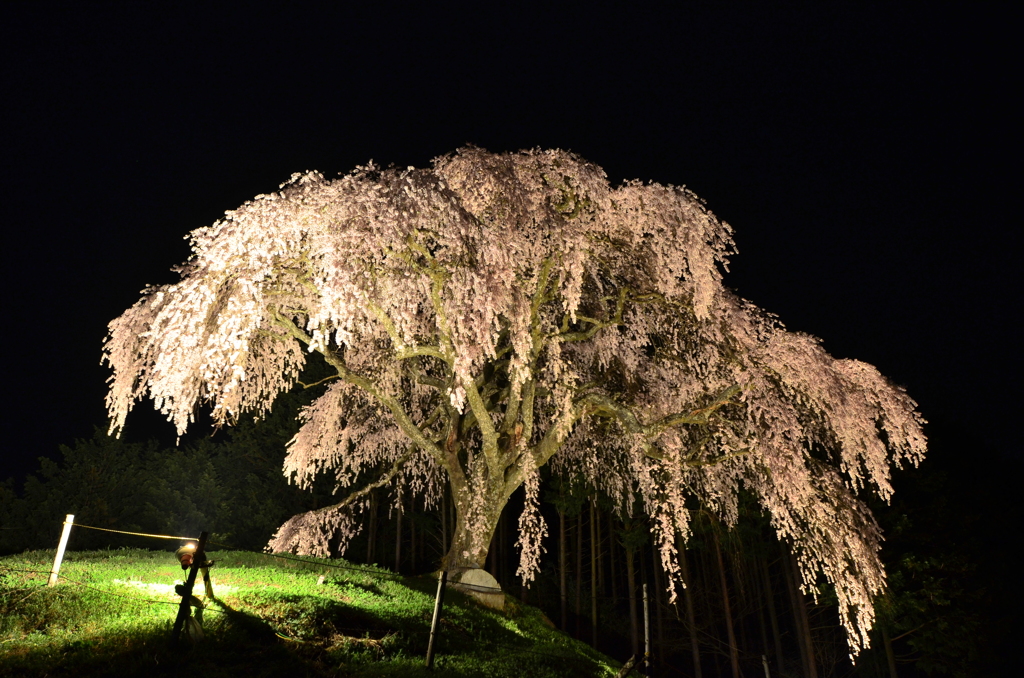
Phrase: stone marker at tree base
x=478 y=583
x=495 y=313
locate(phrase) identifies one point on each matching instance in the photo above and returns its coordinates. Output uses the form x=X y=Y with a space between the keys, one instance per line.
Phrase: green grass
x=270 y=618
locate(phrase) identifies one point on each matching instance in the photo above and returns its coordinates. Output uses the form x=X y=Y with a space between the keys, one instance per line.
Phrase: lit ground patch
x=168 y=589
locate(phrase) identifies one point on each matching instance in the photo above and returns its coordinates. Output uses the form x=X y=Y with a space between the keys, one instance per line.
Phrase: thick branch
x=697 y=416
x=598 y=403
x=317 y=383
x=402 y=350
x=597 y=325
x=695 y=463
x=403 y=420
x=536 y=331
x=476 y=403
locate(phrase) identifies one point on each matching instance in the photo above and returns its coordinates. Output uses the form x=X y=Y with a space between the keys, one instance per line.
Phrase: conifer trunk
x=803 y=633
x=890 y=656
x=769 y=595
x=398 y=537
x=412 y=544
x=631 y=583
x=561 y=567
x=593 y=575
x=763 y=628
x=691 y=618
x=601 y=584
x=612 y=556
x=733 y=654
x=659 y=589
x=805 y=622
x=371 y=533
x=579 y=570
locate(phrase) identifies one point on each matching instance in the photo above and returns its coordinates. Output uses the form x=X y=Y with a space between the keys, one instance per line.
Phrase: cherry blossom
x=496 y=313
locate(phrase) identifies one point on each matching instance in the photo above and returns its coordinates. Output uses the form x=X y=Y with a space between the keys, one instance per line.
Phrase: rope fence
x=137 y=534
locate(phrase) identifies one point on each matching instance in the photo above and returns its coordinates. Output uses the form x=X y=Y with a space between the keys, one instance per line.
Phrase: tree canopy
x=496 y=313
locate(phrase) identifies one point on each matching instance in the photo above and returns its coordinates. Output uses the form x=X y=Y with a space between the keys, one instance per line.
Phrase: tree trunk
x=492 y=554
x=579 y=571
x=503 y=550
x=612 y=556
x=803 y=634
x=890 y=656
x=412 y=544
x=733 y=654
x=593 y=574
x=398 y=537
x=371 y=532
x=659 y=590
x=631 y=583
x=805 y=622
x=561 y=567
x=691 y=618
x=763 y=628
x=601 y=584
x=469 y=549
x=769 y=594
x=444 y=521
x=421 y=545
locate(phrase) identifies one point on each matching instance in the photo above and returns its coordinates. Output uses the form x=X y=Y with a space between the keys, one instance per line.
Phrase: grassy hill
x=113 y=611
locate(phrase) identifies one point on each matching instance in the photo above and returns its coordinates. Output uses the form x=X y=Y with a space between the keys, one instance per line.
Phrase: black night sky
x=862 y=153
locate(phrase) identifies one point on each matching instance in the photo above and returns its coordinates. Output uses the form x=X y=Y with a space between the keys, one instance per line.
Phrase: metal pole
x=198 y=559
x=68 y=522
x=438 y=602
x=647 y=634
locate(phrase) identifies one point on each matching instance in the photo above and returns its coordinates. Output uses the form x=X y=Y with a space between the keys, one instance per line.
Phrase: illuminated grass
x=271 y=617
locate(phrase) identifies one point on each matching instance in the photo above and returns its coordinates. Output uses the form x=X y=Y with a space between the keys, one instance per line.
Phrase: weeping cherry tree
x=498 y=312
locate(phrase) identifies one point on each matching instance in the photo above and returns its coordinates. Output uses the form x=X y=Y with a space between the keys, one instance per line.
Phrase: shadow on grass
x=236 y=643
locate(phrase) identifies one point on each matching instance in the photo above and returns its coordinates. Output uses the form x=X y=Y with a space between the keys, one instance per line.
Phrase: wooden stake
x=208 y=583
x=69 y=520
x=438 y=602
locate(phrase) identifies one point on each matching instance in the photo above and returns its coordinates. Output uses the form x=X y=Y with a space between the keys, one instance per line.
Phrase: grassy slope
x=271 y=618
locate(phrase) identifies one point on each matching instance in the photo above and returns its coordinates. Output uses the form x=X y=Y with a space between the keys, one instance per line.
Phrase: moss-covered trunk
x=476 y=519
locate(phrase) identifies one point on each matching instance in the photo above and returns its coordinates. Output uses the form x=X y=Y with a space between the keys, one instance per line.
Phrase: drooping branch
x=381 y=481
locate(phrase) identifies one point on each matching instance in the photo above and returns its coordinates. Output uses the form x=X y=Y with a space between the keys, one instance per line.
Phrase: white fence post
x=68 y=522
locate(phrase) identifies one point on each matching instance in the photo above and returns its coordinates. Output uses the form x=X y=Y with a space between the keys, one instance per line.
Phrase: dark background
x=862 y=153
